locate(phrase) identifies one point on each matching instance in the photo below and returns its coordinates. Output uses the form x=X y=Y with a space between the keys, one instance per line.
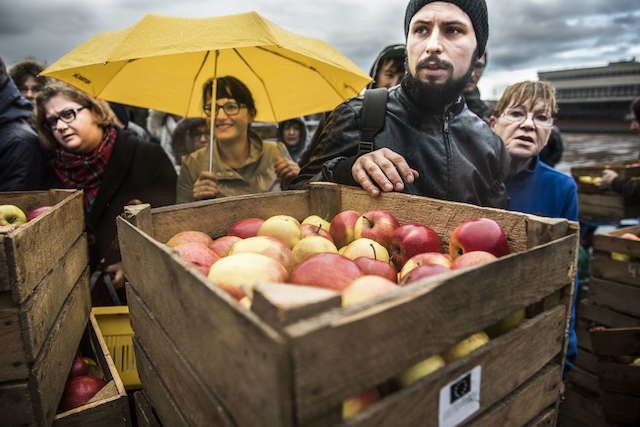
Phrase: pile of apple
x=617 y=256
x=13 y=215
x=83 y=382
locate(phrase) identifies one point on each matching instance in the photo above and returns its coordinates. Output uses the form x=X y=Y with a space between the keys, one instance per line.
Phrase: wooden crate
x=619 y=380
x=145 y=414
x=205 y=360
x=44 y=304
x=596 y=204
x=110 y=406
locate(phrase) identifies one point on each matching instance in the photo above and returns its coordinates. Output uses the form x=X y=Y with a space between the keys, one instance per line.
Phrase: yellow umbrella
x=162 y=62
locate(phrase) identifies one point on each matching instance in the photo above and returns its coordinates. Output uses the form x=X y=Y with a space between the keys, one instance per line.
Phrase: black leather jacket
x=457 y=155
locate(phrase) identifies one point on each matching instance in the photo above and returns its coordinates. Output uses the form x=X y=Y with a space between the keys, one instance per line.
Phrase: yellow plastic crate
x=117 y=332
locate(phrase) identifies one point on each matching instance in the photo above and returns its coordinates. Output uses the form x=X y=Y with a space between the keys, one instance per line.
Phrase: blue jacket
x=544 y=191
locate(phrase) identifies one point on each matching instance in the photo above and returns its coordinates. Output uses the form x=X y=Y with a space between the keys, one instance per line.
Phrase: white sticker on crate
x=460 y=398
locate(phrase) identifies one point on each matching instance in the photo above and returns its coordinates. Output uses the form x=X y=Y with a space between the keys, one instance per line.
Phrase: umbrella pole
x=212 y=118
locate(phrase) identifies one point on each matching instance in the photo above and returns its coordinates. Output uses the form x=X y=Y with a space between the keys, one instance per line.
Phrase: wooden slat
x=15 y=404
x=324 y=375
x=501 y=374
x=255 y=385
x=581 y=409
x=604 y=267
x=585 y=380
x=604 y=316
x=612 y=242
x=586 y=361
x=526 y=402
x=582 y=333
x=145 y=415
x=605 y=207
x=547 y=418
x=619 y=378
x=4 y=266
x=621 y=408
x=199 y=405
x=617 y=296
x=616 y=341
x=13 y=359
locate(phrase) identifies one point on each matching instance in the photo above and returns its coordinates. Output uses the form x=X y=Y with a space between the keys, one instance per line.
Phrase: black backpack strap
x=374 y=109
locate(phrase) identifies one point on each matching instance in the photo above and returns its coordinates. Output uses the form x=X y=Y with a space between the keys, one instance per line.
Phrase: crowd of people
x=437 y=139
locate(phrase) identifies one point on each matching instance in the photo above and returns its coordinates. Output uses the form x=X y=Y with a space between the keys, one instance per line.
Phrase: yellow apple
x=636 y=361
x=283 y=227
x=312 y=245
x=317 y=221
x=617 y=256
x=366 y=287
x=505 y=325
x=265 y=245
x=366 y=247
x=464 y=347
x=585 y=179
x=421 y=369
x=426 y=258
x=356 y=404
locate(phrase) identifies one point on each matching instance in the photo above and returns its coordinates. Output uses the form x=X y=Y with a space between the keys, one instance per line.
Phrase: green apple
x=505 y=325
x=421 y=369
x=466 y=346
x=11 y=215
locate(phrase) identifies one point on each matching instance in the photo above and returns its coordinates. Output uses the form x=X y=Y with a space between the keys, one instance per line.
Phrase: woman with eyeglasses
x=111 y=165
x=242 y=162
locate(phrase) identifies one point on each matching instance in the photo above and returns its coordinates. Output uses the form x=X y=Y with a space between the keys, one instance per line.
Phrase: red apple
x=377 y=267
x=366 y=247
x=366 y=287
x=318 y=221
x=377 y=225
x=198 y=255
x=426 y=270
x=314 y=230
x=412 y=239
x=237 y=273
x=222 y=245
x=426 y=258
x=265 y=245
x=79 y=390
x=326 y=270
x=353 y=405
x=342 y=227
x=245 y=228
x=79 y=367
x=189 y=236
x=38 y=211
x=472 y=258
x=480 y=234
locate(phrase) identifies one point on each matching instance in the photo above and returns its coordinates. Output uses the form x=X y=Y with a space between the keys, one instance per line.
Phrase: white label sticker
x=460 y=398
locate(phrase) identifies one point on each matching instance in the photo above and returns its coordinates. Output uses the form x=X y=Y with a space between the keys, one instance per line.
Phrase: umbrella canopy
x=162 y=63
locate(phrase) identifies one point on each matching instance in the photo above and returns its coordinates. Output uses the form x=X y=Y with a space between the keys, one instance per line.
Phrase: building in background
x=595 y=99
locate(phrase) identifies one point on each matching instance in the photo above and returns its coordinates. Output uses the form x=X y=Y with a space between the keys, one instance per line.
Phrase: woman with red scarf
x=111 y=165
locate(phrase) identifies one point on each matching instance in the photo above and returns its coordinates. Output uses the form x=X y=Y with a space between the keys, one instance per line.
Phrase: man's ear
x=492 y=122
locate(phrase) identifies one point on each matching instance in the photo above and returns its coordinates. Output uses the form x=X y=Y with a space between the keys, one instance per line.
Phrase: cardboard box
x=204 y=359
x=44 y=303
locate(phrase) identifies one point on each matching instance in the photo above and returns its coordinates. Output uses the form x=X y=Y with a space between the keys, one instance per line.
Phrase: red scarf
x=84 y=171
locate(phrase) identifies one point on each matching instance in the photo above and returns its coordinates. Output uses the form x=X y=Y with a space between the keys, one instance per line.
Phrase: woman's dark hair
x=230 y=87
x=21 y=70
x=181 y=140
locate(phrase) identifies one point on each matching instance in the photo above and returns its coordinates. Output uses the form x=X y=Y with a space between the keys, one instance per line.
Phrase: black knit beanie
x=475 y=9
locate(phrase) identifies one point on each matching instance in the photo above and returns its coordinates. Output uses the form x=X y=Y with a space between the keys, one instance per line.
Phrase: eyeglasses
x=519 y=115
x=229 y=108
x=67 y=116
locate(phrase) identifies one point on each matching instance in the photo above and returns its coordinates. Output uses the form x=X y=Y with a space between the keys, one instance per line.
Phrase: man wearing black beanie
x=430 y=144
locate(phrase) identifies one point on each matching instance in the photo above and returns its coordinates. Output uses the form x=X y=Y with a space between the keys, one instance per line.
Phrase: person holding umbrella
x=89 y=152
x=242 y=162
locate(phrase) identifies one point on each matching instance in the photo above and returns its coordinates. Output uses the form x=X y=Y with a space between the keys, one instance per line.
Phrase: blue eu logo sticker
x=460 y=388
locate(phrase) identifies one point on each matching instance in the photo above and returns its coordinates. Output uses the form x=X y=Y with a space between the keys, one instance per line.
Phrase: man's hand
x=206 y=186
x=286 y=169
x=384 y=170
x=608 y=176
x=118 y=274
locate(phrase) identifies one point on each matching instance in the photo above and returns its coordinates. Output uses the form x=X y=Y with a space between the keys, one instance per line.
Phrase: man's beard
x=435 y=96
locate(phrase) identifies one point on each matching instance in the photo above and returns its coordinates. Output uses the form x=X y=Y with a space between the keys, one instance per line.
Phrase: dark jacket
x=136 y=170
x=456 y=154
x=21 y=157
x=629 y=188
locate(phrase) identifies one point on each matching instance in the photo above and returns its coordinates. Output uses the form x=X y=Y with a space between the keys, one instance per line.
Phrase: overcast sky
x=526 y=36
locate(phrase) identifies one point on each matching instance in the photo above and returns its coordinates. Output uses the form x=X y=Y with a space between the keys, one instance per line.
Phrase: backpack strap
x=374 y=109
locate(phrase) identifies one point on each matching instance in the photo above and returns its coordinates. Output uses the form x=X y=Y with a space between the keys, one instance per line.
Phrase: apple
x=312 y=245
x=617 y=256
x=189 y=236
x=377 y=268
x=480 y=234
x=466 y=346
x=505 y=325
x=353 y=405
x=342 y=227
x=366 y=247
x=237 y=273
x=422 y=271
x=317 y=221
x=78 y=367
x=366 y=287
x=197 y=254
x=245 y=228
x=314 y=230
x=377 y=225
x=326 y=270
x=426 y=258
x=79 y=390
x=630 y=236
x=222 y=245
x=421 y=369
x=283 y=227
x=265 y=245
x=411 y=239
x=469 y=259
x=95 y=370
x=38 y=211
x=636 y=361
x=11 y=215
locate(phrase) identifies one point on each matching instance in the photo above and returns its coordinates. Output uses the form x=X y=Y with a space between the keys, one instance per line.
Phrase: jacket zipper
x=447 y=146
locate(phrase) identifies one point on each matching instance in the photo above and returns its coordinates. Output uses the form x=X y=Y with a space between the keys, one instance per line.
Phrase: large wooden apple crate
x=596 y=204
x=44 y=304
x=110 y=406
x=205 y=360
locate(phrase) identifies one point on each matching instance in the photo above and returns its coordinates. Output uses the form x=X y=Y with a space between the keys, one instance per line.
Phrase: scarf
x=83 y=171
